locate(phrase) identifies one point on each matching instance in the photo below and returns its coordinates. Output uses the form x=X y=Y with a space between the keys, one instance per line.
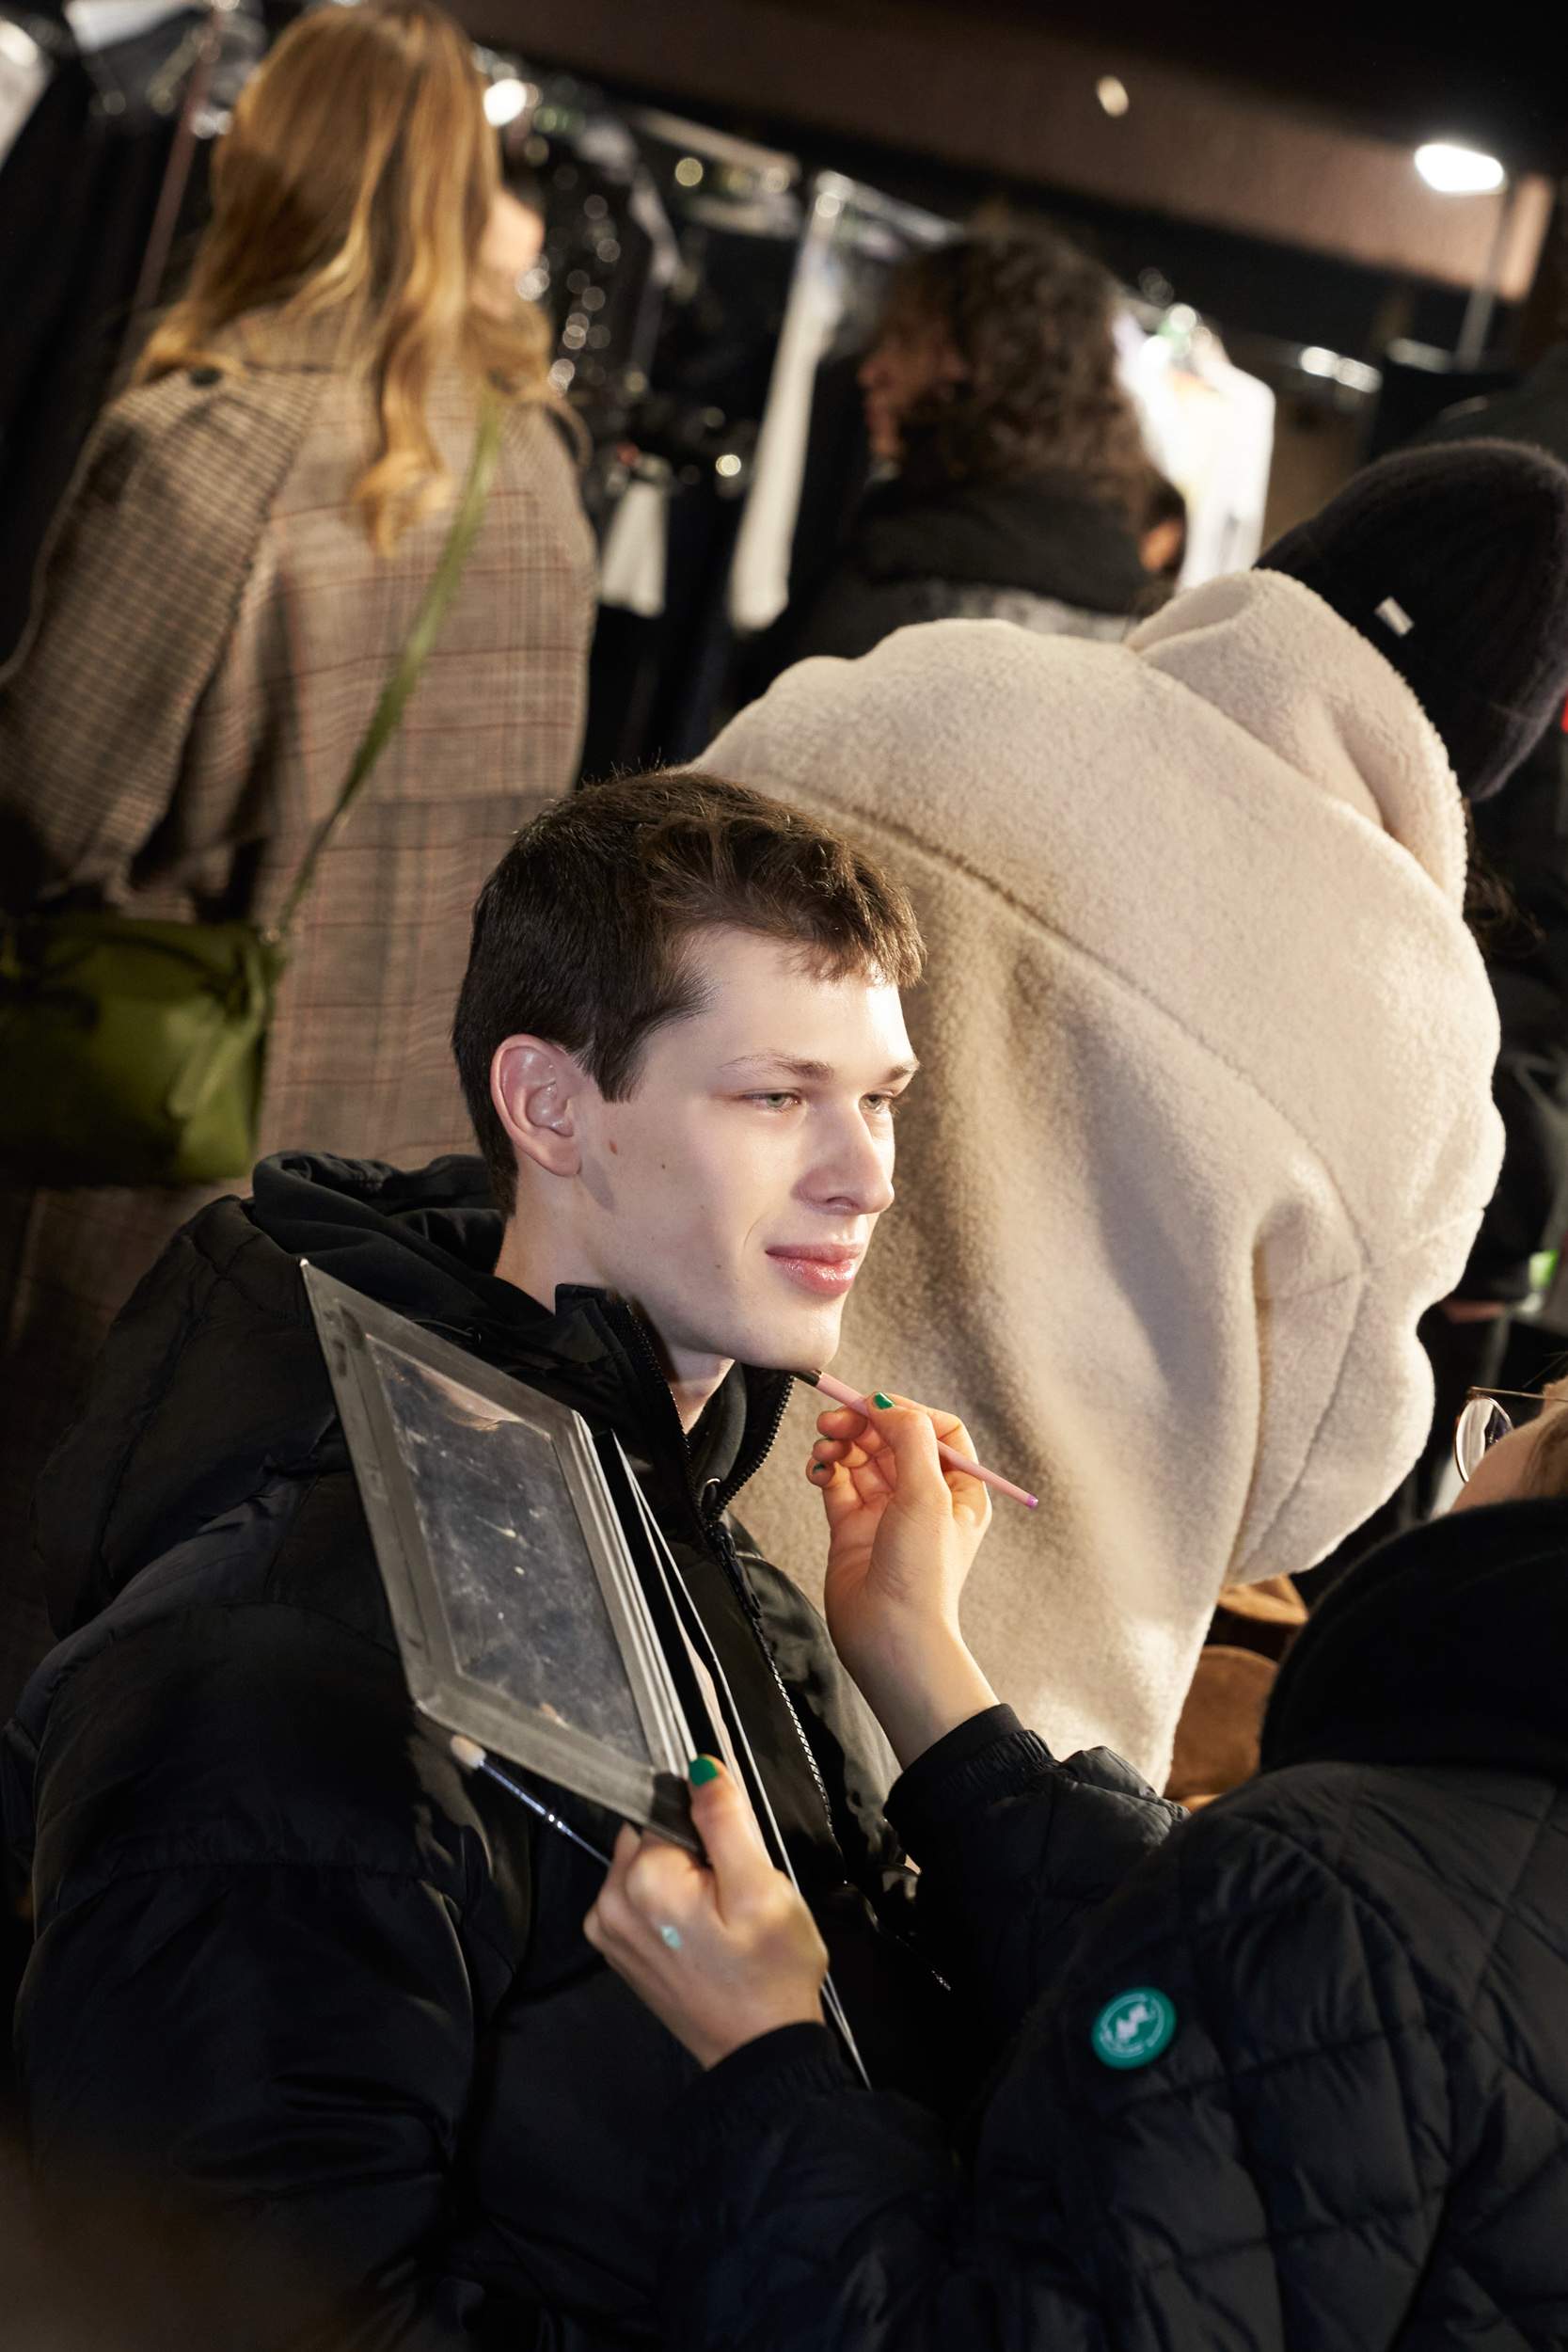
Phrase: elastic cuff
x=954 y=1748
x=988 y=1757
x=744 y=2090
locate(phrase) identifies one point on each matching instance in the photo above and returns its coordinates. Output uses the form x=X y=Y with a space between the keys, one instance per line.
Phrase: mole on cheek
x=614 y=1147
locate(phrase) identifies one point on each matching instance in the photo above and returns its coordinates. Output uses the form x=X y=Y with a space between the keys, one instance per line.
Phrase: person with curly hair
x=1021 y=483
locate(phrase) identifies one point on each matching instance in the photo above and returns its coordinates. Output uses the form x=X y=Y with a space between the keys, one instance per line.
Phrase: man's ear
x=538 y=1092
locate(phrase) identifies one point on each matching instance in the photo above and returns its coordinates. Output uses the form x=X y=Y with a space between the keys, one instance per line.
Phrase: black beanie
x=1453 y=562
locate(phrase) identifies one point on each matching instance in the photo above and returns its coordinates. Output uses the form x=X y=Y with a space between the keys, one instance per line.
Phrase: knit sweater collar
x=1045 y=536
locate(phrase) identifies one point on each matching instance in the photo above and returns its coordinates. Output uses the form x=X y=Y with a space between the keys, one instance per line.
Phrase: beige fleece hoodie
x=1204 y=1120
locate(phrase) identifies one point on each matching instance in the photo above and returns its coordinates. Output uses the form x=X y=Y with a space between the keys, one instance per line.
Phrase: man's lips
x=823 y=1268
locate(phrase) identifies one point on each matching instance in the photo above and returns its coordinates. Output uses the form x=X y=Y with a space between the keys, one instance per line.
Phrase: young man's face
x=732 y=1196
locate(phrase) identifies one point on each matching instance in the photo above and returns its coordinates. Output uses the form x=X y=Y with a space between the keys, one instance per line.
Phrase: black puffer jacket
x=1355 y=2135
x=287 y=1958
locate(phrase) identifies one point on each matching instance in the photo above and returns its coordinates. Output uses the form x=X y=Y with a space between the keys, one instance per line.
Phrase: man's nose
x=854 y=1173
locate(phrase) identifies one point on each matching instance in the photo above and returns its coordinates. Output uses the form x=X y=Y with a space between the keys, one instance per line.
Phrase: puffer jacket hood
x=1445 y=1646
x=125 y=1485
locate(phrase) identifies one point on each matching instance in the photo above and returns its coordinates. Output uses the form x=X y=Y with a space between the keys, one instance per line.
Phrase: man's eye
x=775 y=1102
x=888 y=1103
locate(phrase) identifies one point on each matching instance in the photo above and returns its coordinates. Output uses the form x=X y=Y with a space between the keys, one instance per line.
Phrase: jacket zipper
x=717 y=1537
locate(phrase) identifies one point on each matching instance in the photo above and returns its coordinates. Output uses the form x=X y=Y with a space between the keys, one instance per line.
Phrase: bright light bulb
x=1112 y=94
x=504 y=101
x=1458 y=170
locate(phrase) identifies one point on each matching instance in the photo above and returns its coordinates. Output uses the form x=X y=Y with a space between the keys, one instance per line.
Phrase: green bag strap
x=427 y=628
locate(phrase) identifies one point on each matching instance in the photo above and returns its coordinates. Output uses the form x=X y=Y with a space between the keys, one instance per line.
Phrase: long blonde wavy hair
x=354 y=183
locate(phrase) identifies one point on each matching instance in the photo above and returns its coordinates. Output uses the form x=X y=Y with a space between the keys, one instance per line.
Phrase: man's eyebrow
x=794 y=1066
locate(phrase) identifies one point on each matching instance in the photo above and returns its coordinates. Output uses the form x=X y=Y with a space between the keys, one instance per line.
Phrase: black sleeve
x=1013 y=1848
x=268 y=1934
x=1272 y=2175
x=1529 y=1211
x=1014 y=1852
x=1523 y=834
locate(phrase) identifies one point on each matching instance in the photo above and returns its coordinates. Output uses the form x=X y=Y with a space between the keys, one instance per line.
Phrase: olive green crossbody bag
x=133 y=1052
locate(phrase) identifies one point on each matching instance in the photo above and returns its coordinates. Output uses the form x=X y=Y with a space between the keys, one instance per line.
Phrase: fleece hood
x=211 y=1380
x=1204 y=1120
x=1447 y=1646
x=1278 y=659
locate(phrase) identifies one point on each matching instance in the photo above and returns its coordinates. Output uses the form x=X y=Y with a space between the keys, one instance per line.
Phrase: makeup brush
x=954 y=1460
x=473 y=1758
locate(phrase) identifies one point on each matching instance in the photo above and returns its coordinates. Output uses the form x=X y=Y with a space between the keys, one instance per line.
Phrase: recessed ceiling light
x=1458 y=170
x=1112 y=94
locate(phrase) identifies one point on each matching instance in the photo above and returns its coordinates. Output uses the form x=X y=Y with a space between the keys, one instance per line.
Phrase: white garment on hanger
x=24 y=71
x=1209 y=429
x=631 y=569
x=101 y=24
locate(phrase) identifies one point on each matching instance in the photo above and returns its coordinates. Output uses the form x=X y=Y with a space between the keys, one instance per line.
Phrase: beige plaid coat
x=210 y=636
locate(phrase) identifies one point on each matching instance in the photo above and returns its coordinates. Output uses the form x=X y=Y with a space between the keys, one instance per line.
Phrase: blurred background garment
x=177 y=771
x=992 y=387
x=1252 y=1631
x=1169 y=1201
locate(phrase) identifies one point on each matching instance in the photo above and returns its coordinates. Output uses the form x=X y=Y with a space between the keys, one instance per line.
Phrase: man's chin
x=797 y=1338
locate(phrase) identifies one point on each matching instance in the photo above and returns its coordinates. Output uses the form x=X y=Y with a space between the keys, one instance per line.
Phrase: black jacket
x=1524 y=832
x=1041 y=553
x=1357 y=2134
x=287 y=1958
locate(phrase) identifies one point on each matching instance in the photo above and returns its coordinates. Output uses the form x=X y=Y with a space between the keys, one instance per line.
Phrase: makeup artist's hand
x=721 y=1954
x=903 y=1531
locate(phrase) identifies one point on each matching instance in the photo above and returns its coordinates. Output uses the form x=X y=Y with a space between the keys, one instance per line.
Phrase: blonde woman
x=230 y=579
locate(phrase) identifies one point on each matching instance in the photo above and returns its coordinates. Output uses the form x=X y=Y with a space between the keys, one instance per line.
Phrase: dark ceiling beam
x=1019 y=99
x=1404 y=71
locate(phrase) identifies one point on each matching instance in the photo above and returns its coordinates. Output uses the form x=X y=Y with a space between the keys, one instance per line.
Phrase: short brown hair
x=1030 y=316
x=581 y=934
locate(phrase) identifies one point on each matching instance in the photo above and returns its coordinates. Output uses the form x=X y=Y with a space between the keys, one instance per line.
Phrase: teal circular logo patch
x=1134 y=2028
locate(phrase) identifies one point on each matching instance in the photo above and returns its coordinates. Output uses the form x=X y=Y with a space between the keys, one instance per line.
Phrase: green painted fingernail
x=885 y=1401
x=701 y=1769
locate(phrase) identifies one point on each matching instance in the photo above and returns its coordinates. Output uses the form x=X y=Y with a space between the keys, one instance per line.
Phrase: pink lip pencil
x=841 y=1395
